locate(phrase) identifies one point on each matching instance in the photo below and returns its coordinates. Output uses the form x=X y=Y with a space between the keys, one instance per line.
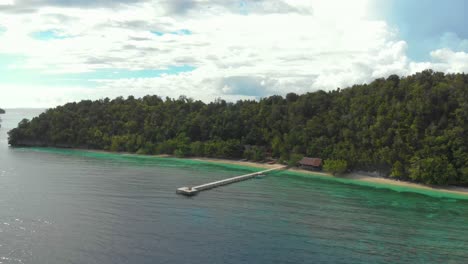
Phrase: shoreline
x=391 y=182
x=355 y=178
x=350 y=176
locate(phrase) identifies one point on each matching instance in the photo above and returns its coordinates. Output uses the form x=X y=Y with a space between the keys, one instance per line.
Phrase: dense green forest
x=1 y=112
x=412 y=128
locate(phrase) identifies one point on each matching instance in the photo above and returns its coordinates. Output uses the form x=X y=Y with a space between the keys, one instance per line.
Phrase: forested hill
x=1 y=112
x=413 y=128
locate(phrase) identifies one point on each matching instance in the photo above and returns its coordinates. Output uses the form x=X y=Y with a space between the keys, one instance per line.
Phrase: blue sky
x=12 y=75
x=428 y=24
x=47 y=35
x=177 y=32
x=55 y=51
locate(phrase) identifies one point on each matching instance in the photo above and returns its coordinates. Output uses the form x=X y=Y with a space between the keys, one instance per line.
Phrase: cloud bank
x=234 y=49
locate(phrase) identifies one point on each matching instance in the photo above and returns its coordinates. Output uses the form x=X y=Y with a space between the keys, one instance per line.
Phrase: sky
x=58 y=51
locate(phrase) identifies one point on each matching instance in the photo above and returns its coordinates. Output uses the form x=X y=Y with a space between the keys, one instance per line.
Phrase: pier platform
x=190 y=191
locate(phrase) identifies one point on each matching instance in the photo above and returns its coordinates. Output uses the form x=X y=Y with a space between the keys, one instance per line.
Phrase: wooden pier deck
x=189 y=191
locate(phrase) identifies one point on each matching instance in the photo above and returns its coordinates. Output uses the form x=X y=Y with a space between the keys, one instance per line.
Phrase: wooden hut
x=311 y=163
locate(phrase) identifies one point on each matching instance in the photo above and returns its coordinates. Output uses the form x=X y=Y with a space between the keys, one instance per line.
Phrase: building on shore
x=310 y=163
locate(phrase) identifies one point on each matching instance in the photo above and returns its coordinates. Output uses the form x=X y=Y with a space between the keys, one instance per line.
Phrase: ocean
x=73 y=206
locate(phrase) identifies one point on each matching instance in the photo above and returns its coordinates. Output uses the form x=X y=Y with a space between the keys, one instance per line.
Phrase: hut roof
x=315 y=162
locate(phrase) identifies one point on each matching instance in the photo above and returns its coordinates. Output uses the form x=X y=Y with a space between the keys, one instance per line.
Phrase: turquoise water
x=65 y=206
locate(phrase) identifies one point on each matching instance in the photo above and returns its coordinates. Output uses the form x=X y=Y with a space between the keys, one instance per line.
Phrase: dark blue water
x=63 y=206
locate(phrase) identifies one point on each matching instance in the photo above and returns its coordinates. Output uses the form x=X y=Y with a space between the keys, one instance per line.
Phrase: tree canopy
x=1 y=112
x=413 y=128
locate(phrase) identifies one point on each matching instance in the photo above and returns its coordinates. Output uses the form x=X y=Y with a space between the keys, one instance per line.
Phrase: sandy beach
x=350 y=176
x=239 y=163
x=448 y=189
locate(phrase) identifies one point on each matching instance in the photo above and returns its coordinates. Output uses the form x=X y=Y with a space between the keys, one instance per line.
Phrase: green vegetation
x=1 y=112
x=335 y=166
x=294 y=159
x=413 y=128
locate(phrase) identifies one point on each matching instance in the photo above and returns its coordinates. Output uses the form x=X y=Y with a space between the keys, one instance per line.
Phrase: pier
x=189 y=191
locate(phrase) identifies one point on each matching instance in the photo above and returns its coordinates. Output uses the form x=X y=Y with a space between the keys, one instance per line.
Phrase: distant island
x=412 y=128
x=2 y=111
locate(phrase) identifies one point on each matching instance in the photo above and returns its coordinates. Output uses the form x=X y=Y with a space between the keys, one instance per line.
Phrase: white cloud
x=6 y=2
x=239 y=51
x=450 y=61
x=34 y=96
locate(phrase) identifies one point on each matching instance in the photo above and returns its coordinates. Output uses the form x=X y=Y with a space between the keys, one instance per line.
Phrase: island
x=2 y=111
x=412 y=128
